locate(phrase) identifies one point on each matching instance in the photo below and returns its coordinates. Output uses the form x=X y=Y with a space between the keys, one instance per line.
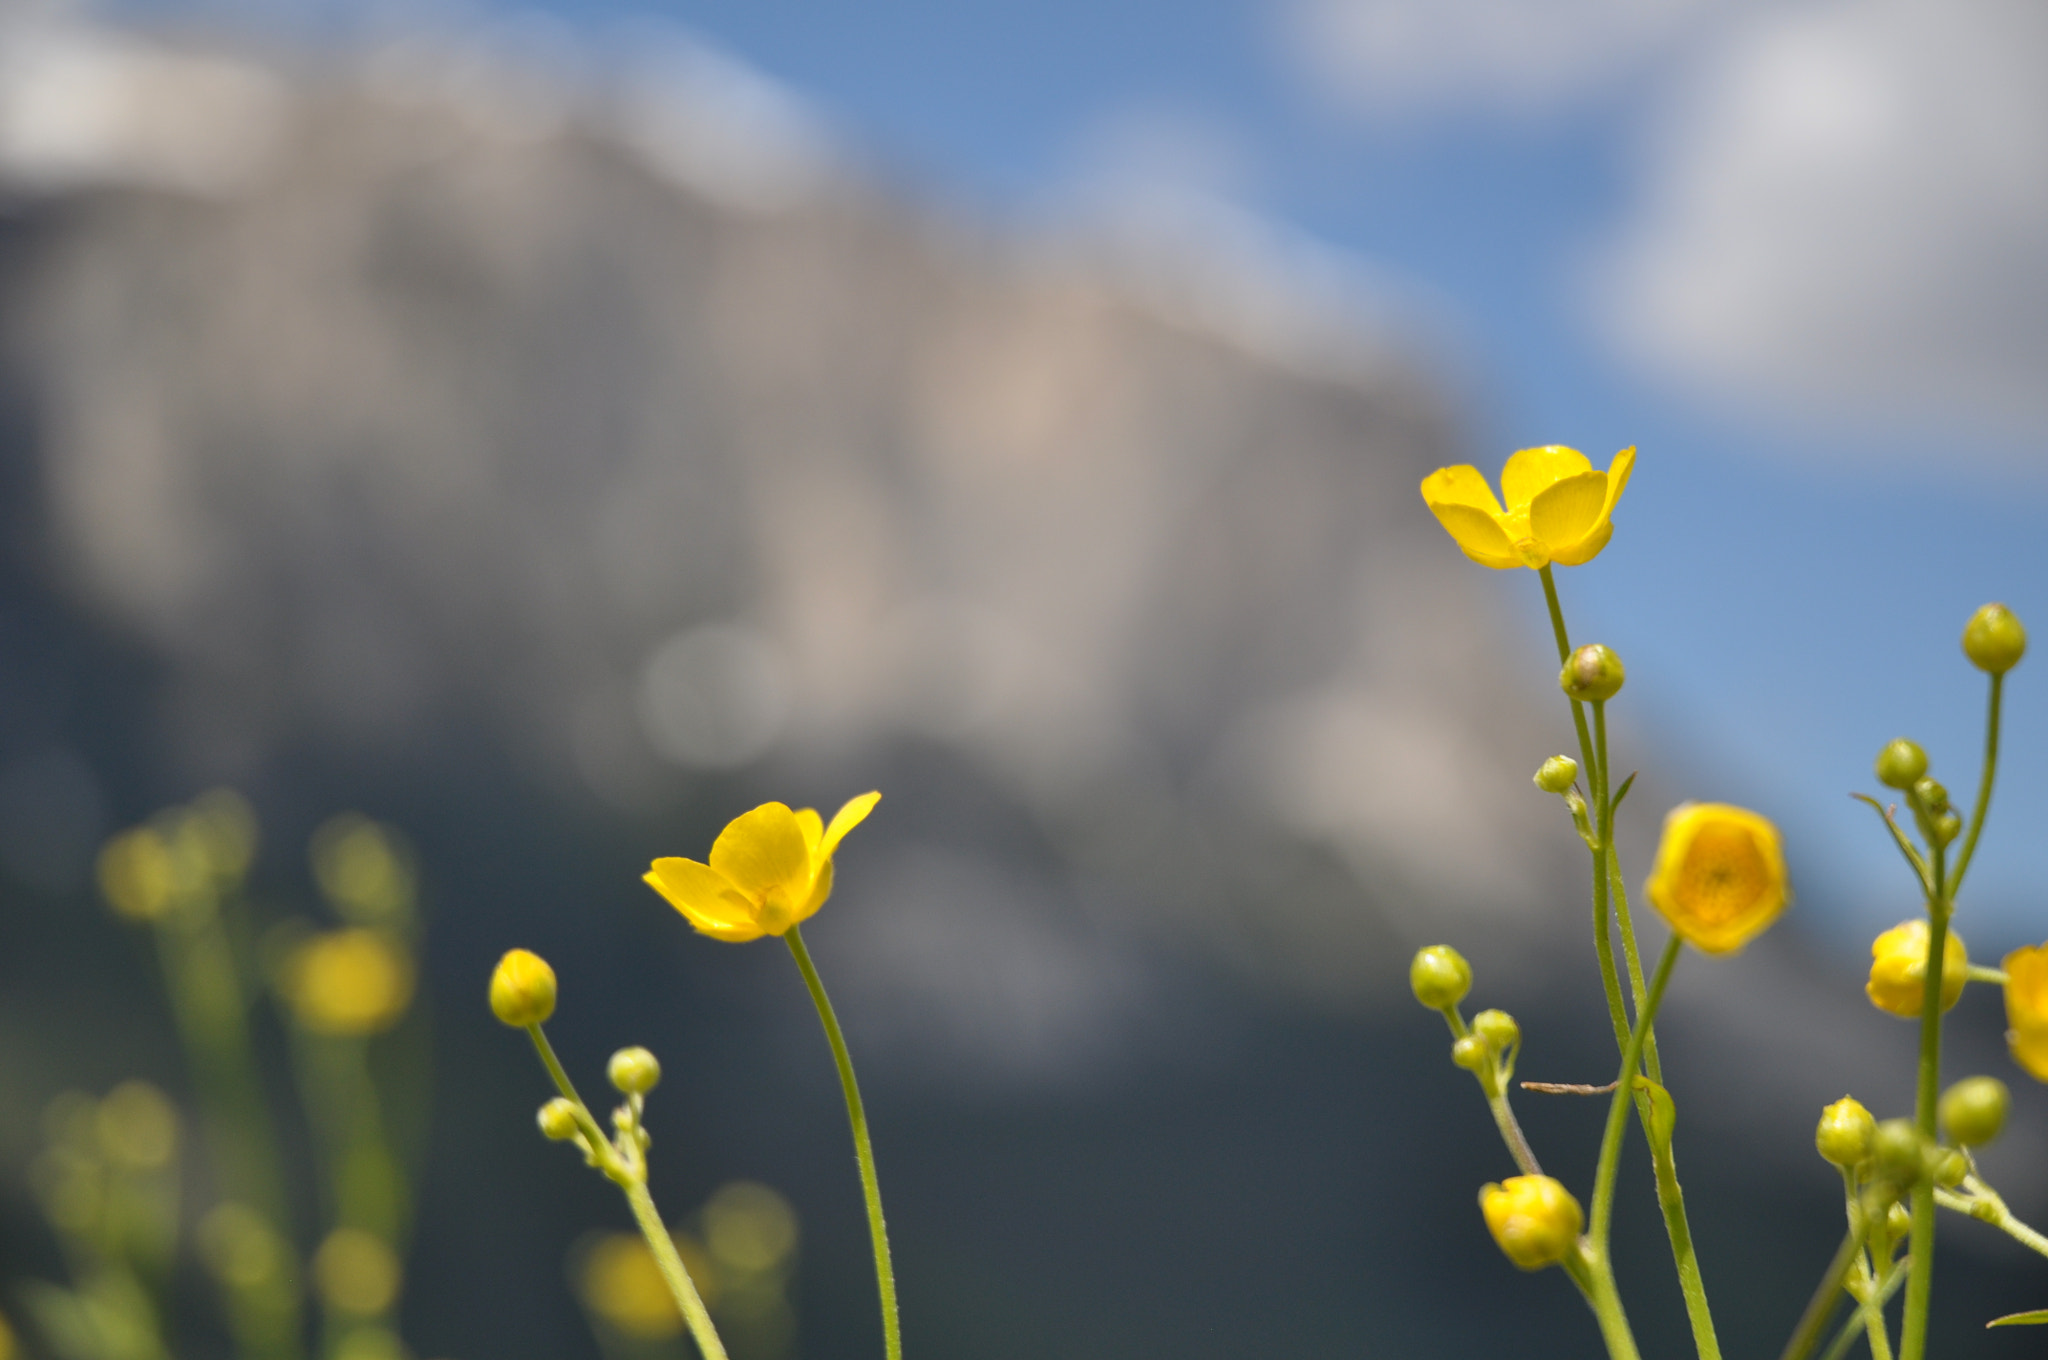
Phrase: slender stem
x=1671 y=1200
x=1880 y=1344
x=1815 y=1319
x=1988 y=1206
x=1995 y=976
x=1899 y=839
x=863 y=1149
x=1984 y=782
x=1920 y=1279
x=1595 y=1279
x=1511 y=1134
x=680 y=1285
x=1617 y=1114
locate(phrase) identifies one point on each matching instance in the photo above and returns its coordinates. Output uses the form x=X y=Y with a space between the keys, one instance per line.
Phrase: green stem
x=1511 y=1134
x=1984 y=782
x=1671 y=1200
x=1815 y=1319
x=672 y=1272
x=1593 y=1275
x=1624 y=1092
x=1872 y=1308
x=1920 y=1277
x=863 y=1148
x=1988 y=1206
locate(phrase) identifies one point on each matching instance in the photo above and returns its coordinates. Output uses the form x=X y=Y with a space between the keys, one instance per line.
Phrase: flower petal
x=1478 y=534
x=705 y=898
x=1566 y=513
x=846 y=819
x=1530 y=471
x=813 y=826
x=820 y=890
x=1461 y=485
x=763 y=853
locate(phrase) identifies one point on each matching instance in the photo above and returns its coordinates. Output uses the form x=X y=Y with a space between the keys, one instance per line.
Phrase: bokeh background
x=553 y=429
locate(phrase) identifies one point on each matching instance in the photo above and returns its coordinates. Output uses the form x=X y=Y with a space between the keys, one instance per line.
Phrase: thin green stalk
x=1814 y=1320
x=1624 y=1092
x=1984 y=782
x=1920 y=1278
x=1880 y=1344
x=1511 y=1134
x=672 y=1272
x=1595 y=1279
x=1987 y=1206
x=863 y=1148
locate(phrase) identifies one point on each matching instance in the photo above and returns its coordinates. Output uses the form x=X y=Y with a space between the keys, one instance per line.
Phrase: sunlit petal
x=1566 y=513
x=704 y=897
x=1461 y=485
x=763 y=852
x=1530 y=471
x=846 y=819
x=1478 y=534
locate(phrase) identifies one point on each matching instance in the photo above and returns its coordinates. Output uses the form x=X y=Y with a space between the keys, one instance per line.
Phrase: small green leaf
x=1663 y=1112
x=2037 y=1318
x=1622 y=793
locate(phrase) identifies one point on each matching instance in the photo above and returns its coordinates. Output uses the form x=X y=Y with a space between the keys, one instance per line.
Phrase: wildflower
x=522 y=989
x=770 y=869
x=348 y=982
x=1559 y=508
x=1719 y=879
x=1898 y=969
x=1439 y=976
x=2026 y=1008
x=1533 y=1218
x=1845 y=1133
x=1994 y=639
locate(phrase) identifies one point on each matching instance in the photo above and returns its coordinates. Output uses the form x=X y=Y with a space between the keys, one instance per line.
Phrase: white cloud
x=1396 y=58
x=1847 y=212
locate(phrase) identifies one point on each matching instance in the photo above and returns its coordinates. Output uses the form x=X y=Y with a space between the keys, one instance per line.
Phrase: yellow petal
x=1530 y=471
x=1617 y=478
x=813 y=826
x=820 y=890
x=1461 y=485
x=762 y=853
x=1478 y=534
x=705 y=898
x=1587 y=548
x=1566 y=513
x=1719 y=876
x=846 y=819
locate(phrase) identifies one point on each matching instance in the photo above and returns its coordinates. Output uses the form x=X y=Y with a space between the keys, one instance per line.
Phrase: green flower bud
x=1898 y=1220
x=1946 y=828
x=522 y=989
x=1994 y=639
x=1899 y=1154
x=1973 y=1110
x=1845 y=1131
x=1557 y=774
x=634 y=1071
x=1498 y=1029
x=1933 y=795
x=1471 y=1053
x=1950 y=1168
x=1439 y=976
x=1593 y=673
x=558 y=1120
x=1901 y=763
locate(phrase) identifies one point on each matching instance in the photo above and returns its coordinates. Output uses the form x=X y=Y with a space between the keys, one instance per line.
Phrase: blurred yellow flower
x=2026 y=1008
x=770 y=869
x=348 y=982
x=139 y=874
x=1559 y=507
x=1533 y=1218
x=622 y=1284
x=1719 y=879
x=1898 y=969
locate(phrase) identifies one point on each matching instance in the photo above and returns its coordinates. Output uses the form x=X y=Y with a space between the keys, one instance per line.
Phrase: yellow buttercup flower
x=2026 y=1009
x=349 y=982
x=770 y=869
x=1898 y=969
x=1533 y=1218
x=1560 y=508
x=1719 y=879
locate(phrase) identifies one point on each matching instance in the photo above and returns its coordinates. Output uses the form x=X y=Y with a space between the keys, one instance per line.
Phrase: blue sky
x=1789 y=250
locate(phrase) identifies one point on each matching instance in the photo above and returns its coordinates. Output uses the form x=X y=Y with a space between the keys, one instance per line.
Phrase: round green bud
x=1898 y=1220
x=1933 y=795
x=1950 y=1168
x=1498 y=1029
x=1843 y=1137
x=557 y=1120
x=1898 y=1153
x=1471 y=1053
x=1947 y=827
x=522 y=989
x=634 y=1071
x=1593 y=673
x=1901 y=763
x=1974 y=1109
x=1557 y=774
x=1439 y=976
x=1994 y=639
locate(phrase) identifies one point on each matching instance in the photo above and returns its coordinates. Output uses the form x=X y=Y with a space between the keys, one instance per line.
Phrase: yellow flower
x=1559 y=508
x=770 y=868
x=1533 y=1218
x=349 y=982
x=1898 y=969
x=2026 y=1009
x=1719 y=879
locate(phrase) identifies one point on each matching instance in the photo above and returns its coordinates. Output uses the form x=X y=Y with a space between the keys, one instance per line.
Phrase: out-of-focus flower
x=1533 y=1218
x=1560 y=508
x=622 y=1284
x=138 y=874
x=770 y=869
x=1898 y=969
x=2026 y=1008
x=356 y=1272
x=1719 y=878
x=348 y=982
